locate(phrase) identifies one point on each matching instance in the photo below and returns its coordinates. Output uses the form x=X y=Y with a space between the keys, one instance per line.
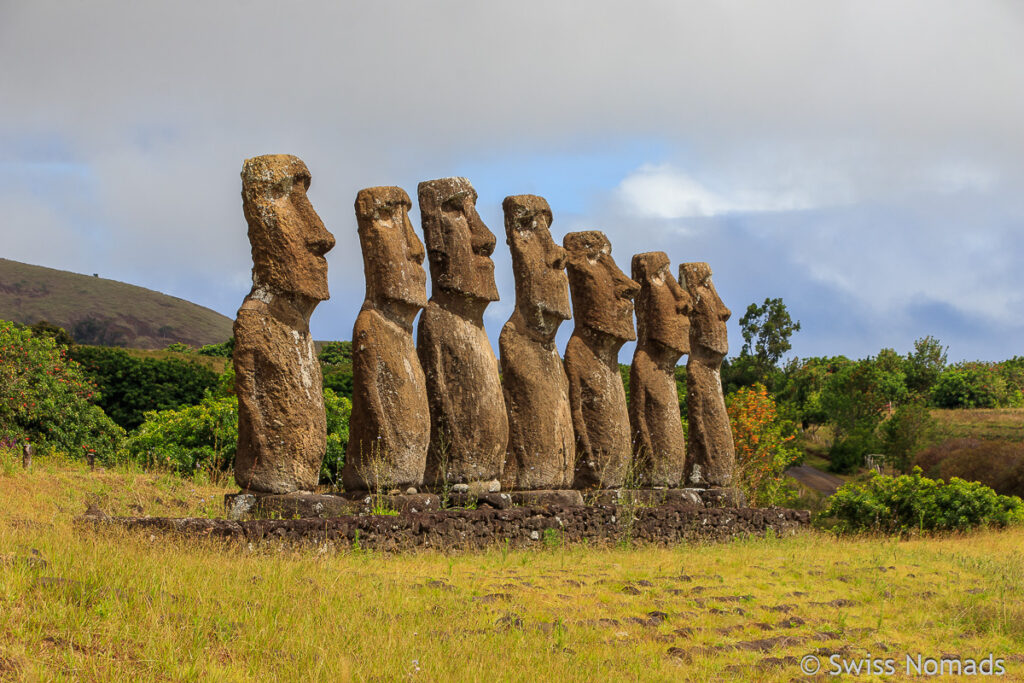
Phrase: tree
x=46 y=397
x=925 y=364
x=132 y=386
x=766 y=332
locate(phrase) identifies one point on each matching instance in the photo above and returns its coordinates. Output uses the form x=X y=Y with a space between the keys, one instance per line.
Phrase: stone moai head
x=287 y=236
x=538 y=263
x=459 y=245
x=662 y=307
x=602 y=295
x=392 y=253
x=708 y=314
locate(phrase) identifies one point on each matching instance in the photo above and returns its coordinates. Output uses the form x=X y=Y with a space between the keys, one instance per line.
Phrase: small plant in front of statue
x=762 y=441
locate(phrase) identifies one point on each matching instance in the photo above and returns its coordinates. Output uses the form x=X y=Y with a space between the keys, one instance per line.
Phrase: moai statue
x=541 y=442
x=602 y=303
x=468 y=422
x=711 y=454
x=389 y=430
x=663 y=336
x=282 y=430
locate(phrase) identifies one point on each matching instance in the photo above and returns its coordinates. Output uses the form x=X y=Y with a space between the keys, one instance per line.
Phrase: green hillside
x=95 y=310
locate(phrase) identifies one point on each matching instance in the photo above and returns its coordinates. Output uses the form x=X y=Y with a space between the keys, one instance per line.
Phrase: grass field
x=1000 y=424
x=79 y=604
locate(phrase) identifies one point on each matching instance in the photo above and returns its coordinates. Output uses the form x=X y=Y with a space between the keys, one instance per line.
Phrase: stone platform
x=303 y=505
x=516 y=527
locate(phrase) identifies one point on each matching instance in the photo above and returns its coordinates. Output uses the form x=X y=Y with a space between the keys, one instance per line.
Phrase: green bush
x=847 y=454
x=914 y=502
x=336 y=366
x=202 y=436
x=339 y=409
x=971 y=385
x=47 y=398
x=205 y=436
x=224 y=350
x=131 y=386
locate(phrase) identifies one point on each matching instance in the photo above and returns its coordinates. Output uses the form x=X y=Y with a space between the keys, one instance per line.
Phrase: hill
x=95 y=310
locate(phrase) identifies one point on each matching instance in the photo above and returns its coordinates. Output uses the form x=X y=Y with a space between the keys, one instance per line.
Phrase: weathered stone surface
x=287 y=505
x=541 y=443
x=518 y=527
x=564 y=497
x=602 y=303
x=282 y=430
x=469 y=424
x=663 y=336
x=389 y=429
x=657 y=496
x=711 y=454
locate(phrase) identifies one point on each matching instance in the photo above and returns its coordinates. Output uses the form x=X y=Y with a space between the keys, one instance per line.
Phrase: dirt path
x=816 y=479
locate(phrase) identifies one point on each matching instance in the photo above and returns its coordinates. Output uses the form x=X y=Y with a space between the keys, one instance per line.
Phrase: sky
x=862 y=160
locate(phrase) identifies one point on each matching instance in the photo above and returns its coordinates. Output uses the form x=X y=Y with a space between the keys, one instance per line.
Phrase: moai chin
x=711 y=455
x=389 y=430
x=469 y=425
x=663 y=336
x=541 y=443
x=602 y=304
x=282 y=429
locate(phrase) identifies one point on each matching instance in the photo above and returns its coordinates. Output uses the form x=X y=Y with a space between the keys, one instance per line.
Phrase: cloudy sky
x=862 y=160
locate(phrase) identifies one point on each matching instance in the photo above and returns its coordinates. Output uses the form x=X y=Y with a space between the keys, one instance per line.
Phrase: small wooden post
x=26 y=455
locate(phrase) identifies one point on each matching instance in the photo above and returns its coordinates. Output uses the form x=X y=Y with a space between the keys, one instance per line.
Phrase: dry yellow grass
x=113 y=605
x=1004 y=424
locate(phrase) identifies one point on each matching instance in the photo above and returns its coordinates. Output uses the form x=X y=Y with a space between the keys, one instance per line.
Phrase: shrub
x=201 y=436
x=205 y=436
x=224 y=350
x=970 y=385
x=132 y=386
x=336 y=366
x=339 y=409
x=761 y=438
x=847 y=454
x=908 y=502
x=47 y=398
x=998 y=464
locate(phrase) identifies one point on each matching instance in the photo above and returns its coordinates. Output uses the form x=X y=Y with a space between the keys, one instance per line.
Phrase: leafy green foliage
x=974 y=385
x=132 y=386
x=47 y=398
x=339 y=410
x=906 y=432
x=202 y=436
x=766 y=332
x=924 y=365
x=336 y=366
x=224 y=350
x=60 y=336
x=854 y=396
x=908 y=502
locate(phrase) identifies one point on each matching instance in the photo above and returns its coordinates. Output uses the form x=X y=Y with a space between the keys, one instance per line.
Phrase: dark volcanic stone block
x=567 y=497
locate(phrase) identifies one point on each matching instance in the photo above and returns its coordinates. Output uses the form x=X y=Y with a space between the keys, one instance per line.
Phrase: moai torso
x=603 y=310
x=711 y=454
x=389 y=429
x=282 y=429
x=541 y=442
x=662 y=307
x=469 y=425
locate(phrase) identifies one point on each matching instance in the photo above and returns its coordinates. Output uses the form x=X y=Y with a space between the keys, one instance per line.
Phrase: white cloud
x=664 y=191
